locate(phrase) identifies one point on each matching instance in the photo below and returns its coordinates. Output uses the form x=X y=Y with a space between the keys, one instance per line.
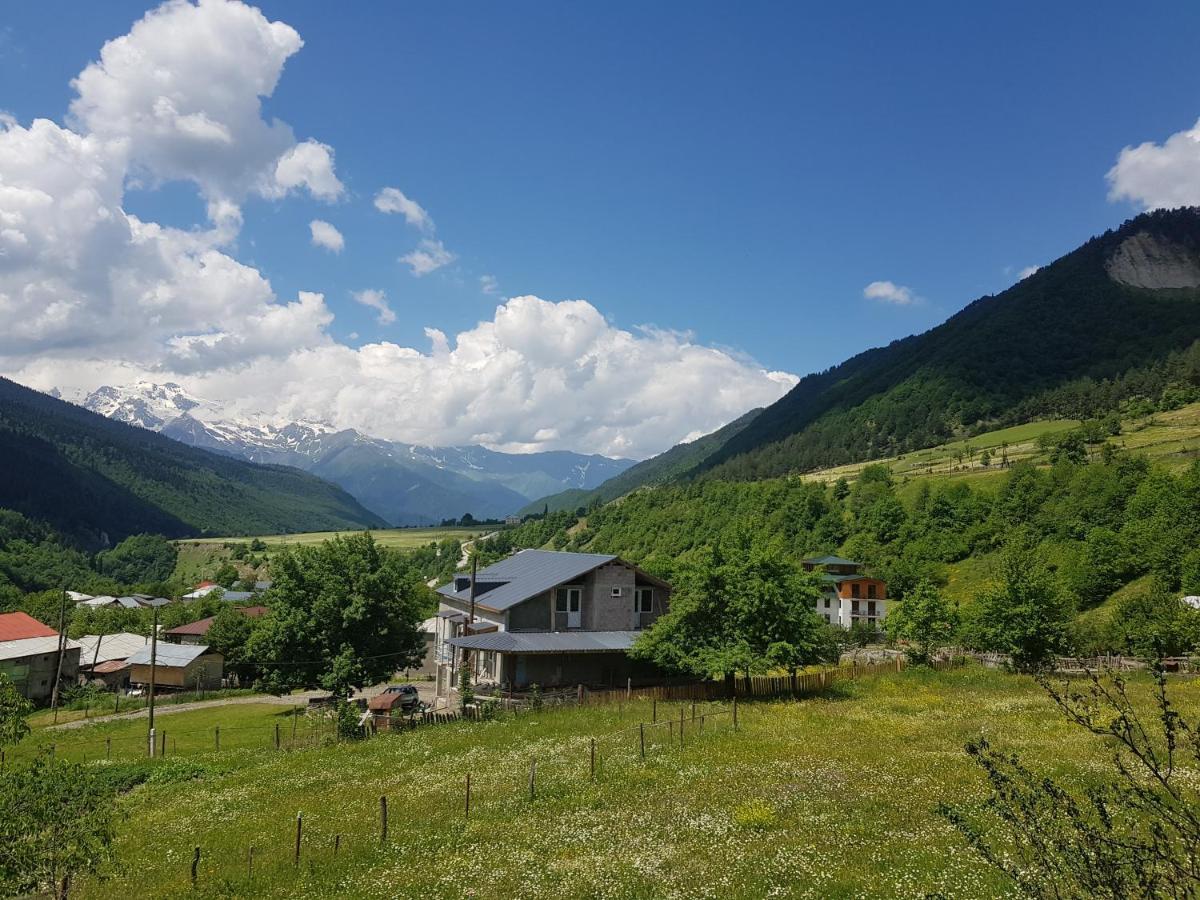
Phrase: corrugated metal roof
x=112 y=646
x=16 y=626
x=526 y=574
x=169 y=654
x=33 y=646
x=549 y=641
x=107 y=668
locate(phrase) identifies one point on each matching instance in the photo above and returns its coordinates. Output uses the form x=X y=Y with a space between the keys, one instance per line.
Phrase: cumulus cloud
x=377 y=301
x=393 y=200
x=488 y=284
x=326 y=235
x=429 y=256
x=890 y=292
x=1159 y=175
x=538 y=375
x=91 y=294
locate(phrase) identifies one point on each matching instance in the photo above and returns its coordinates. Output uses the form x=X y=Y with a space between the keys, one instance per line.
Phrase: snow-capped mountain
x=406 y=484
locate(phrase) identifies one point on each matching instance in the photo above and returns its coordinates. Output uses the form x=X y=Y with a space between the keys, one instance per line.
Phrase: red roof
x=17 y=626
x=110 y=665
x=205 y=584
x=201 y=626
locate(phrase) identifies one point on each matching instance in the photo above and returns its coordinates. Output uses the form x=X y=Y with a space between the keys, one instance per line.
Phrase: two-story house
x=851 y=596
x=548 y=618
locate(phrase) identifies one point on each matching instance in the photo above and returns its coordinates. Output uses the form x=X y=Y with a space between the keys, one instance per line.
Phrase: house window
x=871 y=590
x=854 y=589
x=854 y=607
x=567 y=605
x=827 y=602
x=870 y=607
x=643 y=600
x=615 y=591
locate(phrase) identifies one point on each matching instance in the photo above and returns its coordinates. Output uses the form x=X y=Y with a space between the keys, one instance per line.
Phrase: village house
x=183 y=667
x=29 y=656
x=104 y=657
x=851 y=596
x=195 y=632
x=548 y=618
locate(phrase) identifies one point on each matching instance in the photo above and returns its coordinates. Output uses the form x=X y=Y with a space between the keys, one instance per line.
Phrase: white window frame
x=638 y=595
x=616 y=590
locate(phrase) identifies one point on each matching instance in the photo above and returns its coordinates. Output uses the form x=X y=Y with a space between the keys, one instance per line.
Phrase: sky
x=598 y=227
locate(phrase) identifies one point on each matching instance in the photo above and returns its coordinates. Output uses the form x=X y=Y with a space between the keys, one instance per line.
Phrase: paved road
x=424 y=688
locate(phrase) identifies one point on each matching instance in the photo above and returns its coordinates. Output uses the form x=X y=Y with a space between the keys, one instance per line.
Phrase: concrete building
x=851 y=596
x=549 y=618
x=29 y=656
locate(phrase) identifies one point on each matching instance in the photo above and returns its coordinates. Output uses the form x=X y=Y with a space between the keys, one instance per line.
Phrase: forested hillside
x=1092 y=330
x=99 y=481
x=1098 y=525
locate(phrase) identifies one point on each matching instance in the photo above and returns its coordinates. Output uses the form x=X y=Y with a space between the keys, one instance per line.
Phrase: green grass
x=243 y=725
x=829 y=797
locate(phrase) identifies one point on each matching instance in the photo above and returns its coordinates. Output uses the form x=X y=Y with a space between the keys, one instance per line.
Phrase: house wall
x=535 y=614
x=846 y=588
x=209 y=667
x=552 y=670
x=33 y=675
x=601 y=610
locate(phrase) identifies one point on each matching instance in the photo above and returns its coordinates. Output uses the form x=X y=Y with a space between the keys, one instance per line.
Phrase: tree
x=344 y=614
x=738 y=609
x=1025 y=614
x=228 y=635
x=13 y=710
x=1136 y=834
x=925 y=620
x=1153 y=624
x=57 y=821
x=227 y=575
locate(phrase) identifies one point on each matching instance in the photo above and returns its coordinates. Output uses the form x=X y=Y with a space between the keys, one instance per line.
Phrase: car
x=409 y=700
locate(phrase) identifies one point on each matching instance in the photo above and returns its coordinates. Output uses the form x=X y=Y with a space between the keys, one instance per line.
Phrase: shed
x=178 y=666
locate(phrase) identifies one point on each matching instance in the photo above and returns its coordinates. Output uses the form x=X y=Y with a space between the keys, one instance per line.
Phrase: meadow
x=833 y=796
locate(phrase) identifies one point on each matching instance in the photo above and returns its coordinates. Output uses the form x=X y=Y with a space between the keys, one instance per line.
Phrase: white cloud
x=91 y=294
x=377 y=301
x=326 y=235
x=430 y=255
x=1159 y=175
x=179 y=97
x=393 y=200
x=538 y=375
x=488 y=284
x=1026 y=272
x=890 y=292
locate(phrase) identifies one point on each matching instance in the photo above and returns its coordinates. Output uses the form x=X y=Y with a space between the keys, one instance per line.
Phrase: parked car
x=398 y=696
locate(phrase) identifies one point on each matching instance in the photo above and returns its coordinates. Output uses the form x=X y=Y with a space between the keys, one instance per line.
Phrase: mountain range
x=405 y=484
x=99 y=480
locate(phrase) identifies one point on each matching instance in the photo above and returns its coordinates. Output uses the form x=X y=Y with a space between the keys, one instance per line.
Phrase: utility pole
x=153 y=666
x=62 y=617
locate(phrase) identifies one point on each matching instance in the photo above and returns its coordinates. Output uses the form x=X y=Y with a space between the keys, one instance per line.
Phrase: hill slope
x=1119 y=304
x=97 y=479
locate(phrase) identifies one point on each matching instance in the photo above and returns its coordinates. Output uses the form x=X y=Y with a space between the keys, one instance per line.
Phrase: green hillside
x=673 y=463
x=1113 y=322
x=96 y=479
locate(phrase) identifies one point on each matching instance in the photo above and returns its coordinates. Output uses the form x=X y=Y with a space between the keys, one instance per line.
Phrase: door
x=568 y=607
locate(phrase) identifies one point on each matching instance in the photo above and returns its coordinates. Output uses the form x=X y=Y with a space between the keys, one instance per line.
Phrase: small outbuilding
x=178 y=667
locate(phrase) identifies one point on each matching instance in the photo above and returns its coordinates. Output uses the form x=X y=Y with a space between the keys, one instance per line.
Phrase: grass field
x=829 y=797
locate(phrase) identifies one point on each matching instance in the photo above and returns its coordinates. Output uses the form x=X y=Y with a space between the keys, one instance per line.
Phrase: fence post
x=735 y=712
x=217 y=737
x=164 y=743
x=295 y=716
x=299 y=831
x=579 y=692
x=642 y=733
x=107 y=749
x=628 y=688
x=276 y=735
x=337 y=843
x=467 y=808
x=593 y=759
x=681 y=727
x=250 y=864
x=195 y=864
x=382 y=819
x=654 y=710
x=899 y=663
x=532 y=778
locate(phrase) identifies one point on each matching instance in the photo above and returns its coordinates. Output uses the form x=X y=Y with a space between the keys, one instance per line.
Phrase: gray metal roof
x=526 y=574
x=112 y=646
x=169 y=654
x=236 y=596
x=549 y=641
x=831 y=560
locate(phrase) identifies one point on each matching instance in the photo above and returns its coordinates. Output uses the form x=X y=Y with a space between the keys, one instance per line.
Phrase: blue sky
x=739 y=171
